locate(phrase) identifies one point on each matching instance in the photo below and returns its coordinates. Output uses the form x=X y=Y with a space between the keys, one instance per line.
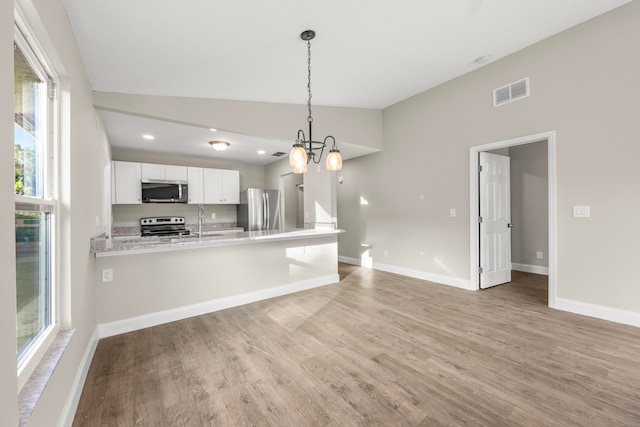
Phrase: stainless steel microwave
x=156 y=191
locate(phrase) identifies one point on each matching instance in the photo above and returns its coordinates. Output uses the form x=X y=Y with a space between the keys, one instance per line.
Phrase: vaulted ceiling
x=367 y=53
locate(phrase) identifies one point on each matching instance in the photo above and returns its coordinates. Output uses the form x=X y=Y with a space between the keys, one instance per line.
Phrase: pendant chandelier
x=306 y=150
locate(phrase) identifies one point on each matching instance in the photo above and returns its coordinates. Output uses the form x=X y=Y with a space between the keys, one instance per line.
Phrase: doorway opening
x=292 y=189
x=475 y=198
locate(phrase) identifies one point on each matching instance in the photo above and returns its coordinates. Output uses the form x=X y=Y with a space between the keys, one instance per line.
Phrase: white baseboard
x=71 y=405
x=431 y=277
x=347 y=260
x=417 y=274
x=528 y=268
x=179 y=313
x=598 y=311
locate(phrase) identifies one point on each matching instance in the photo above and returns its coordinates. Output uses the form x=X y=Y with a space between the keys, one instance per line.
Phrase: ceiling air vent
x=511 y=92
x=278 y=154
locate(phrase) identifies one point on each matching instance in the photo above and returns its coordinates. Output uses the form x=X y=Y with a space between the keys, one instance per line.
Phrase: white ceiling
x=125 y=132
x=367 y=53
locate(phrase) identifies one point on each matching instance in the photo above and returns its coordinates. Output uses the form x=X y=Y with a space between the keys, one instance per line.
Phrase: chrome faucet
x=200 y=219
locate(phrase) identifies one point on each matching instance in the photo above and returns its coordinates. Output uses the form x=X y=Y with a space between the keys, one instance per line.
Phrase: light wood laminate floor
x=375 y=349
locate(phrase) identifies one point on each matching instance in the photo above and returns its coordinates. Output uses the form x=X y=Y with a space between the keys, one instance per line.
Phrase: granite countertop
x=103 y=246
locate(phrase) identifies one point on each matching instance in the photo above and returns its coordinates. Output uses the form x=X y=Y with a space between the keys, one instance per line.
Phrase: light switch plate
x=582 y=211
x=452 y=212
x=107 y=275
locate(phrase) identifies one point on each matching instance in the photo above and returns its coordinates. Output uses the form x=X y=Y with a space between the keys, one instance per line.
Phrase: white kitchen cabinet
x=231 y=186
x=175 y=173
x=195 y=181
x=221 y=186
x=152 y=171
x=212 y=186
x=126 y=188
x=163 y=172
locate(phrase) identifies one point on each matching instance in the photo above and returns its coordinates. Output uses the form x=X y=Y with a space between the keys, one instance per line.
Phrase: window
x=35 y=204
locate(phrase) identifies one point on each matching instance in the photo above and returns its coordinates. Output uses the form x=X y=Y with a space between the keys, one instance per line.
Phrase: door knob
x=510 y=225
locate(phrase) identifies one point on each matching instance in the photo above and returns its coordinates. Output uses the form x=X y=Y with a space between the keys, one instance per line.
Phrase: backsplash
x=134 y=230
x=126 y=218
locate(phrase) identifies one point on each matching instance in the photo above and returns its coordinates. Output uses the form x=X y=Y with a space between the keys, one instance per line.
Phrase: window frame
x=29 y=47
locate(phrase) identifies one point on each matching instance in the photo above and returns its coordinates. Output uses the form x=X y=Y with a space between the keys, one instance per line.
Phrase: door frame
x=474 y=232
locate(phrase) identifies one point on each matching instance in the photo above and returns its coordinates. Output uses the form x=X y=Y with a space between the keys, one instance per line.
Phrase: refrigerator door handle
x=264 y=210
x=268 y=208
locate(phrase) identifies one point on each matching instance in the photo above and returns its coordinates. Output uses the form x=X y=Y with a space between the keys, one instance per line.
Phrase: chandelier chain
x=309 y=118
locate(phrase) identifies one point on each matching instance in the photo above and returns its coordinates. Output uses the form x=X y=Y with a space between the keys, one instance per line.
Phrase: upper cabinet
x=176 y=173
x=195 y=181
x=163 y=172
x=207 y=186
x=125 y=189
x=231 y=186
x=221 y=186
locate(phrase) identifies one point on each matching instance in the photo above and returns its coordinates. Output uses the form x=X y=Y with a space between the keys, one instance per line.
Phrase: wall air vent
x=278 y=154
x=511 y=92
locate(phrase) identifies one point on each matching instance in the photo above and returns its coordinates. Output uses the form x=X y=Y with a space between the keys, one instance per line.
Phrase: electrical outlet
x=539 y=255
x=386 y=253
x=582 y=211
x=452 y=212
x=213 y=215
x=107 y=275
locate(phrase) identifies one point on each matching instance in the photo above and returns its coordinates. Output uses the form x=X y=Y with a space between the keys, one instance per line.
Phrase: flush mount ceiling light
x=219 y=145
x=305 y=150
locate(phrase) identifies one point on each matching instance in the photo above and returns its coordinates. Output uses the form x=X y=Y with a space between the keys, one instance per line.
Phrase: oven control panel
x=162 y=220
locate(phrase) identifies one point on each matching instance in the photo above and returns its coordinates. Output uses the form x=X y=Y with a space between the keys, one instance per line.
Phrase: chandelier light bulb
x=334 y=160
x=298 y=158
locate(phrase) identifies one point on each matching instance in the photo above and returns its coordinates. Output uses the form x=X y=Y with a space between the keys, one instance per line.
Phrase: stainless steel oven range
x=163 y=226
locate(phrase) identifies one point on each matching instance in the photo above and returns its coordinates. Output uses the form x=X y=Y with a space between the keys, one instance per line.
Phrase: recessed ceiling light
x=213 y=130
x=148 y=136
x=262 y=152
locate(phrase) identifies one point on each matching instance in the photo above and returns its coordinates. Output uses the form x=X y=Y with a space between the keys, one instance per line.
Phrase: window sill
x=36 y=383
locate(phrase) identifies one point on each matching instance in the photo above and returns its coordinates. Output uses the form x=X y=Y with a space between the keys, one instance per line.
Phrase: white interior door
x=495 y=220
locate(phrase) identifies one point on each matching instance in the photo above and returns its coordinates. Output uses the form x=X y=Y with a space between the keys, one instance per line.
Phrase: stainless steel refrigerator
x=259 y=209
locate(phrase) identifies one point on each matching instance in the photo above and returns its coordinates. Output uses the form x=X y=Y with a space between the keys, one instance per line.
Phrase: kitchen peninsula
x=129 y=245
x=160 y=280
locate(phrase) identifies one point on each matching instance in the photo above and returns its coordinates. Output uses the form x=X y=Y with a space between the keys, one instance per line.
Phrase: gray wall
x=584 y=86
x=529 y=204
x=290 y=200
